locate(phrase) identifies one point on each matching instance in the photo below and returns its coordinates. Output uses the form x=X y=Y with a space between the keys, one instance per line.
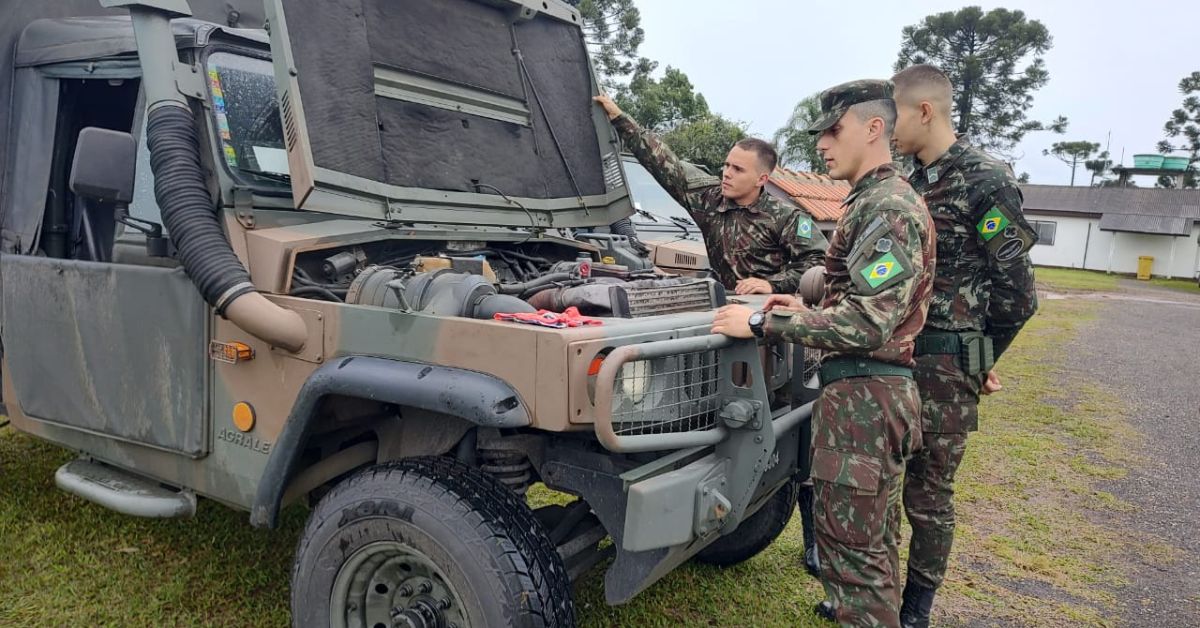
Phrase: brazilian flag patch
x=881 y=270
x=804 y=228
x=992 y=224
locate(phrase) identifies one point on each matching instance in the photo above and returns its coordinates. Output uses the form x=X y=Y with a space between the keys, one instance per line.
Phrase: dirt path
x=1145 y=345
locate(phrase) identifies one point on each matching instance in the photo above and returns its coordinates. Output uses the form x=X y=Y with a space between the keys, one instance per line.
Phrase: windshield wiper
x=273 y=176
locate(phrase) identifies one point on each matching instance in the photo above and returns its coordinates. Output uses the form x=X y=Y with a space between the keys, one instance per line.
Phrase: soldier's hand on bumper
x=610 y=107
x=788 y=302
x=733 y=321
x=752 y=285
x=992 y=384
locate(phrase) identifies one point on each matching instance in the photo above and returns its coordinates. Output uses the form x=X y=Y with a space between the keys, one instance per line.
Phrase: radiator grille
x=673 y=394
x=655 y=300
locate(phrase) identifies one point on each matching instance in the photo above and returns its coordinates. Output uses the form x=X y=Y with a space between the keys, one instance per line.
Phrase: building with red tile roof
x=817 y=193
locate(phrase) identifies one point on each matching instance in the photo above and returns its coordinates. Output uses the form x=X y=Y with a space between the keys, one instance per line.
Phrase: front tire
x=427 y=542
x=754 y=534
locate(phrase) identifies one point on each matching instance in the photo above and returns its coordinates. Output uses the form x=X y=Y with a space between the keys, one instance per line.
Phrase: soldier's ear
x=875 y=128
x=926 y=112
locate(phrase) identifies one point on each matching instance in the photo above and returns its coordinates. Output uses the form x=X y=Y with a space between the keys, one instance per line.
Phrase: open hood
x=445 y=111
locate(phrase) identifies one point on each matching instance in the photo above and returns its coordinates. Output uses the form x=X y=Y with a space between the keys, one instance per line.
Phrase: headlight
x=634 y=381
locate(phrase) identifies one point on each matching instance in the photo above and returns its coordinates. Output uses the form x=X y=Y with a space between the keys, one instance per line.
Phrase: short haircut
x=767 y=157
x=924 y=82
x=884 y=108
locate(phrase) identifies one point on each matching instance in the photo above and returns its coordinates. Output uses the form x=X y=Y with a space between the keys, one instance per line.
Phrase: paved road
x=1146 y=343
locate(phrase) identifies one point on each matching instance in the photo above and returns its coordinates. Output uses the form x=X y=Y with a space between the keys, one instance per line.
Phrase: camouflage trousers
x=949 y=410
x=864 y=428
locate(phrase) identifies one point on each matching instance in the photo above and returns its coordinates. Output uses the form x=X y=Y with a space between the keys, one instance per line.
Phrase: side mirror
x=104 y=164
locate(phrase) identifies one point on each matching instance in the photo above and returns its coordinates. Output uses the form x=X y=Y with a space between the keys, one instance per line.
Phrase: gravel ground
x=1146 y=343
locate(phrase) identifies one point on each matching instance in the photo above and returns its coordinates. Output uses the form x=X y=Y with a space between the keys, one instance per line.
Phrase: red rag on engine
x=545 y=318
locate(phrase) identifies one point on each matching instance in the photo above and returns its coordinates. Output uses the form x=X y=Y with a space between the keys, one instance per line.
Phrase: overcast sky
x=1115 y=65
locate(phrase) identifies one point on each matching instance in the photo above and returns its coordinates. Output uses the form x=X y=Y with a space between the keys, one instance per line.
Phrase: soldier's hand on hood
x=608 y=105
x=752 y=285
x=788 y=302
x=733 y=321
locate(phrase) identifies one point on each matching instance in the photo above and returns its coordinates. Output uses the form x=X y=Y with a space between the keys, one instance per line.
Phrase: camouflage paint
x=548 y=368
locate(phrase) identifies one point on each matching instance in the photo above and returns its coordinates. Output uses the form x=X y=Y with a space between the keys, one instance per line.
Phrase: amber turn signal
x=243 y=416
x=230 y=352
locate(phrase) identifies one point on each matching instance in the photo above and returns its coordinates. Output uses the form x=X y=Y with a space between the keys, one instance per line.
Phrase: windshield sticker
x=218 y=98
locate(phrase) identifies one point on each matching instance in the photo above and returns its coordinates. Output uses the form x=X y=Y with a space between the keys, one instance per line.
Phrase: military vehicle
x=255 y=254
x=674 y=240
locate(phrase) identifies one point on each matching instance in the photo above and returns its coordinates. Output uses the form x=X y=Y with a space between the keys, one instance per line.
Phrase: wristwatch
x=756 y=321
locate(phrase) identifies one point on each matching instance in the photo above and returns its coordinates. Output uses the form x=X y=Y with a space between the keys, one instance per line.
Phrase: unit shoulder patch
x=879 y=271
x=804 y=228
x=1006 y=236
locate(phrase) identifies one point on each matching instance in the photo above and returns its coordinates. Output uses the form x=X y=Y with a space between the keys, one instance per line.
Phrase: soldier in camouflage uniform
x=866 y=423
x=756 y=244
x=983 y=294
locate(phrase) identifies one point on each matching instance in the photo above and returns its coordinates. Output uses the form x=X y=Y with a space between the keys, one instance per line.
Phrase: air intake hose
x=204 y=251
x=625 y=227
x=187 y=210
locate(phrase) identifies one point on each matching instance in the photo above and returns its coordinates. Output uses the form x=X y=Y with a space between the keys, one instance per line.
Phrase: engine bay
x=475 y=279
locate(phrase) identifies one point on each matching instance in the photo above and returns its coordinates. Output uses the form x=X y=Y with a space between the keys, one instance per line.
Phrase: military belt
x=973 y=348
x=834 y=369
x=931 y=342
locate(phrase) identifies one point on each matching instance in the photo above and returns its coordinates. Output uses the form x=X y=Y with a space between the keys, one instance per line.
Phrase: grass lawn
x=1031 y=548
x=1185 y=285
x=1072 y=280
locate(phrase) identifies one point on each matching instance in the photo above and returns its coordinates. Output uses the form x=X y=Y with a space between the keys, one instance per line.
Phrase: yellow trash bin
x=1145 y=263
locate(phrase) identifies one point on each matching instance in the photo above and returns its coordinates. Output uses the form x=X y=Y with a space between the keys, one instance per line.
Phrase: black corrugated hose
x=625 y=227
x=187 y=209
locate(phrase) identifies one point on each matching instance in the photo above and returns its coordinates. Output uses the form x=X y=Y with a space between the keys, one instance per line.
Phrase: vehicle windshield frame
x=271 y=184
x=638 y=179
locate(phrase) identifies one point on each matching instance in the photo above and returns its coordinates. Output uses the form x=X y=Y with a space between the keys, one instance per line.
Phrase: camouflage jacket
x=879 y=276
x=984 y=278
x=767 y=240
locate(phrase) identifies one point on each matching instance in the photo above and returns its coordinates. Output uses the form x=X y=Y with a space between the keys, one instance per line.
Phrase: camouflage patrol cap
x=837 y=100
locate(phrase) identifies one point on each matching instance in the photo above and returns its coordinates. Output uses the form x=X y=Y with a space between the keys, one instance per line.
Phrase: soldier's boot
x=824 y=610
x=916 y=604
x=812 y=563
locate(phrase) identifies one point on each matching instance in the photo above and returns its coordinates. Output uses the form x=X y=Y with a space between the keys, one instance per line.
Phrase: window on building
x=1045 y=230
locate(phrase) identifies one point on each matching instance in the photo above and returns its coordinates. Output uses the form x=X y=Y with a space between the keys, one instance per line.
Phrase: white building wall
x=1116 y=252
x=1070 y=238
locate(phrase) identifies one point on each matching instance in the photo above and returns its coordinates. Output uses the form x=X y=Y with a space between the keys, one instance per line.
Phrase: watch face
x=756 y=318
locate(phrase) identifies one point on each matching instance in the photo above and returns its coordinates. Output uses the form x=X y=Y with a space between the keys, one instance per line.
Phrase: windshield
x=247 y=117
x=650 y=197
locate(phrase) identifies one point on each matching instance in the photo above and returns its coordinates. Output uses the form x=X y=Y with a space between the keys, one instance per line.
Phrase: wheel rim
x=388 y=584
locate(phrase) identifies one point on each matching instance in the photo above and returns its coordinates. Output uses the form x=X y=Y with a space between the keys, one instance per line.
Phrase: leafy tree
x=1101 y=166
x=660 y=104
x=1024 y=178
x=994 y=60
x=1183 y=131
x=613 y=31
x=1072 y=153
x=706 y=141
x=797 y=149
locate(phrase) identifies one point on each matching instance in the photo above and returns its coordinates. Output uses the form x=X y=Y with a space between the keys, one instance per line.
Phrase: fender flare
x=479 y=398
